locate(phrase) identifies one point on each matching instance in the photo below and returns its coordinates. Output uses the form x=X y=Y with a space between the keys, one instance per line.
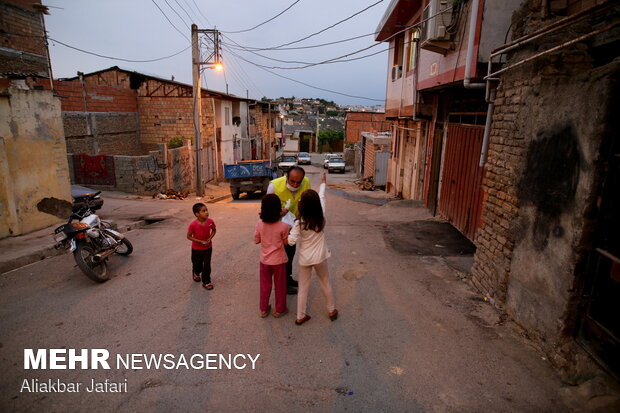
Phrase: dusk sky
x=138 y=30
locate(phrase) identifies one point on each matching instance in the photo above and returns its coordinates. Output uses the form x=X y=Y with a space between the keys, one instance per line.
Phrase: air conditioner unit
x=397 y=72
x=434 y=35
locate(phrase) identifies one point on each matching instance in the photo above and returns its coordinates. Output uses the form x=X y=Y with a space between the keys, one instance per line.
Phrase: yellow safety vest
x=280 y=189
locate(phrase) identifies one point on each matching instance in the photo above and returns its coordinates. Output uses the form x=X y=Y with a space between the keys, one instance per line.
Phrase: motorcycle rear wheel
x=125 y=248
x=84 y=257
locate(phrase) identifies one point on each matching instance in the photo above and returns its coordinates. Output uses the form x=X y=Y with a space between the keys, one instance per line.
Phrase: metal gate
x=381 y=167
x=600 y=325
x=460 y=199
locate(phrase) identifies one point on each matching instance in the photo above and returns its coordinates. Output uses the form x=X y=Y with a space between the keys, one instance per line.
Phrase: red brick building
x=358 y=122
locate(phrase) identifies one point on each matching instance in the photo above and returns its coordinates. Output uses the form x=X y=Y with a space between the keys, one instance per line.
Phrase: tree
x=327 y=136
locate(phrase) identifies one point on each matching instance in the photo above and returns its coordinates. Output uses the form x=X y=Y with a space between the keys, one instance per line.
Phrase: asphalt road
x=411 y=336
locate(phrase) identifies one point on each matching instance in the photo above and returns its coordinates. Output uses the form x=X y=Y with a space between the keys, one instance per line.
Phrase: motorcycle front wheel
x=125 y=248
x=84 y=257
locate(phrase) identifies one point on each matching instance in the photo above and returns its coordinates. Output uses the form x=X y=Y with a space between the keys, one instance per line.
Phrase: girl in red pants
x=272 y=234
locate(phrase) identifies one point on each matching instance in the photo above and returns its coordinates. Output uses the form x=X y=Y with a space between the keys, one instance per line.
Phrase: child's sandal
x=264 y=314
x=208 y=286
x=196 y=277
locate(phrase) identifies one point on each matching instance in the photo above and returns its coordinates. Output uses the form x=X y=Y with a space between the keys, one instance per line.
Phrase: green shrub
x=176 y=142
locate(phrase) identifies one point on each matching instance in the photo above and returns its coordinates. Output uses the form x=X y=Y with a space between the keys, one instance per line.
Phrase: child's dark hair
x=197 y=206
x=311 y=212
x=270 y=208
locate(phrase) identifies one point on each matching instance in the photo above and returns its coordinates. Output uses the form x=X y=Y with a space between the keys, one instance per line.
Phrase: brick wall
x=495 y=241
x=76 y=96
x=164 y=118
x=369 y=159
x=21 y=29
x=358 y=122
x=541 y=185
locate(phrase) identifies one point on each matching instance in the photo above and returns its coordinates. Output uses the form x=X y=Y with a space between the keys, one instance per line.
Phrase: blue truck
x=249 y=176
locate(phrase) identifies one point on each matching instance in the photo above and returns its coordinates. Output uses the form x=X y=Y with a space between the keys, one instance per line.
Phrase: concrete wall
x=144 y=175
x=33 y=163
x=99 y=119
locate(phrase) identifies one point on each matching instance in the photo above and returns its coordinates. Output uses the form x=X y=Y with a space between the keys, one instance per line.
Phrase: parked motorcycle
x=91 y=240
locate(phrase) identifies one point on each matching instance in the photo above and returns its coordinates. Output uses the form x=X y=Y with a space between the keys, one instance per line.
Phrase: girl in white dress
x=308 y=232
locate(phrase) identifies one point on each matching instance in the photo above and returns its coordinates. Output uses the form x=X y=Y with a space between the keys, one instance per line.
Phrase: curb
x=24 y=260
x=218 y=198
x=48 y=252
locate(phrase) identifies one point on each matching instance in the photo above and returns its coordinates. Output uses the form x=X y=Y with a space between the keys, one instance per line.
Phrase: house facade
x=435 y=100
x=121 y=112
x=34 y=176
x=504 y=117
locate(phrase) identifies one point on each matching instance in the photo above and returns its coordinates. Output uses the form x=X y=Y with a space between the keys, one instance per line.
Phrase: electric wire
x=185 y=11
x=248 y=48
x=172 y=24
x=322 y=30
x=178 y=15
x=311 y=86
x=266 y=21
x=243 y=74
x=118 y=58
x=241 y=78
x=200 y=11
x=310 y=64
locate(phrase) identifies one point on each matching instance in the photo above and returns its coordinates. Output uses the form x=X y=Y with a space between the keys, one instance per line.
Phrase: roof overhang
x=396 y=17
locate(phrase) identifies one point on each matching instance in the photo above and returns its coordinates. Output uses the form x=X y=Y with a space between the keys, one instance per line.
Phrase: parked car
x=285 y=162
x=304 y=158
x=328 y=156
x=80 y=194
x=335 y=165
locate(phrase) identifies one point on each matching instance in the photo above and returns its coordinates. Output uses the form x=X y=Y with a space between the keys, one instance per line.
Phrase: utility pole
x=316 y=140
x=197 y=108
x=210 y=38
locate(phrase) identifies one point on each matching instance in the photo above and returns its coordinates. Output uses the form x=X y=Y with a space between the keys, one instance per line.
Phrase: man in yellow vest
x=289 y=188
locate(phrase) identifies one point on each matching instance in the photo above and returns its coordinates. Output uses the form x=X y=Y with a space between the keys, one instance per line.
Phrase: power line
x=118 y=58
x=309 y=85
x=249 y=48
x=178 y=15
x=185 y=11
x=172 y=24
x=266 y=21
x=310 y=64
x=200 y=11
x=322 y=30
x=243 y=72
x=196 y=16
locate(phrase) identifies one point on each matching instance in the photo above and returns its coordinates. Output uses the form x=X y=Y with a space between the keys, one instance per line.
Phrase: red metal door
x=460 y=199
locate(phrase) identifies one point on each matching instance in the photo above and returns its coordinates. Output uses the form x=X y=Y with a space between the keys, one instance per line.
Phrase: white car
x=304 y=158
x=327 y=158
x=335 y=165
x=286 y=162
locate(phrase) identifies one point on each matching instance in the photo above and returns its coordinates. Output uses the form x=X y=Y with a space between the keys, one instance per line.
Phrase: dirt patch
x=427 y=238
